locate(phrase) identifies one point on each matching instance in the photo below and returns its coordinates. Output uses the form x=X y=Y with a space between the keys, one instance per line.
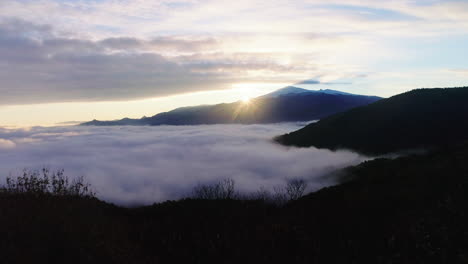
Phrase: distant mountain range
x=286 y=104
x=421 y=118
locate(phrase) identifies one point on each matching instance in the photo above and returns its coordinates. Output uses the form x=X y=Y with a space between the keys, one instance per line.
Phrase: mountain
x=422 y=118
x=287 y=104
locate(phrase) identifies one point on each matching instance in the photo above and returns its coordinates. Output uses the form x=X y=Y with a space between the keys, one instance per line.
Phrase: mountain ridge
x=421 y=118
x=286 y=104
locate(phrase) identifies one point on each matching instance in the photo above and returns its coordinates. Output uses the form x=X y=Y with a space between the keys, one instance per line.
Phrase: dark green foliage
x=421 y=118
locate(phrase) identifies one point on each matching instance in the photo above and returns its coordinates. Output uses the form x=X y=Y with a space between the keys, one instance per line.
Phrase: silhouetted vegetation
x=221 y=190
x=421 y=118
x=407 y=210
x=225 y=189
x=295 y=188
x=35 y=182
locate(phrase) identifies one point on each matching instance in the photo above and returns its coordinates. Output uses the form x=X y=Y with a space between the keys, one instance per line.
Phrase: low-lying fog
x=142 y=165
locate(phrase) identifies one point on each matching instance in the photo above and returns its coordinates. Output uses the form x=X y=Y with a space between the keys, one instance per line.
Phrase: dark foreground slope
x=417 y=119
x=285 y=105
x=407 y=210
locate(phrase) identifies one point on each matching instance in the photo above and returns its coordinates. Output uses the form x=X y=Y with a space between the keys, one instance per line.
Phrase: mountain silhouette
x=422 y=118
x=284 y=105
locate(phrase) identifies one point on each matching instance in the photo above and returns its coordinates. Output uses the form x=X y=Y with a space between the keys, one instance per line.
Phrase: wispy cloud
x=149 y=17
x=462 y=72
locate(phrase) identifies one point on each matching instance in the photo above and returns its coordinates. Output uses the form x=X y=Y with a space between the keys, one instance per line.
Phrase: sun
x=245 y=100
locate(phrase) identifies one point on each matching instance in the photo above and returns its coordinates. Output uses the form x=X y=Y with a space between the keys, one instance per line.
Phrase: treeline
x=56 y=183
x=225 y=189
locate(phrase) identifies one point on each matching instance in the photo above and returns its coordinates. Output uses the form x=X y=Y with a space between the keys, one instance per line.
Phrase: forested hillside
x=418 y=119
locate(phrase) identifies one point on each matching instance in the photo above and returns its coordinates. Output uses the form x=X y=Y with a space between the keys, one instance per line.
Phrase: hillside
x=408 y=210
x=421 y=118
x=287 y=104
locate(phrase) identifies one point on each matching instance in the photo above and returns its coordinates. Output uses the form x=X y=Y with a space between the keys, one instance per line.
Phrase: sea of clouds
x=142 y=165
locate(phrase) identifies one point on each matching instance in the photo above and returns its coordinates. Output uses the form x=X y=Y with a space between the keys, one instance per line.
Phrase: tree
x=220 y=190
x=295 y=188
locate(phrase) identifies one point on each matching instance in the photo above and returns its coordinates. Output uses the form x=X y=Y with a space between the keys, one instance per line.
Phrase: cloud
x=37 y=66
x=111 y=17
x=141 y=165
x=161 y=44
x=6 y=144
x=61 y=51
x=462 y=72
x=311 y=81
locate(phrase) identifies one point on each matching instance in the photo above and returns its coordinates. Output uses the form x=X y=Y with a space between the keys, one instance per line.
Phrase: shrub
x=47 y=182
x=262 y=194
x=293 y=190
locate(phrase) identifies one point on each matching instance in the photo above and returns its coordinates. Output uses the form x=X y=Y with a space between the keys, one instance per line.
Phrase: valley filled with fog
x=141 y=165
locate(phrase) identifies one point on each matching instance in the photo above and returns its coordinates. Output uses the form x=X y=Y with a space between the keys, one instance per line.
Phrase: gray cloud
x=141 y=165
x=38 y=65
x=311 y=81
x=162 y=43
x=122 y=43
x=192 y=44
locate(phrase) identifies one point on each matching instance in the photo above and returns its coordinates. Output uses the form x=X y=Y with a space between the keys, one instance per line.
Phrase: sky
x=140 y=165
x=64 y=61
